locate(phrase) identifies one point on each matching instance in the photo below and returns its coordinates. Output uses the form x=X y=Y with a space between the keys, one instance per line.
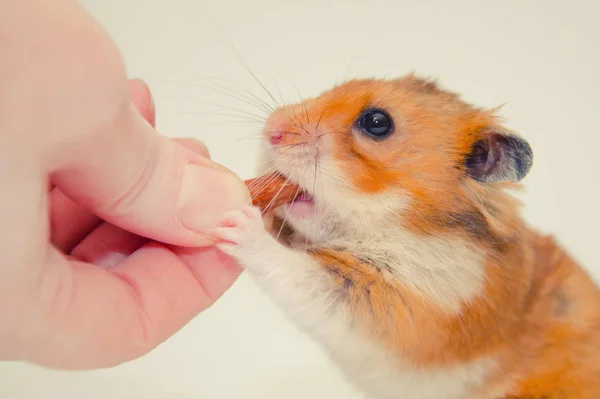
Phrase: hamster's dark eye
x=376 y=123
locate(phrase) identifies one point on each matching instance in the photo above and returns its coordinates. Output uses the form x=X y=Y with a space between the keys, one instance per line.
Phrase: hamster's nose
x=281 y=132
x=276 y=138
x=287 y=127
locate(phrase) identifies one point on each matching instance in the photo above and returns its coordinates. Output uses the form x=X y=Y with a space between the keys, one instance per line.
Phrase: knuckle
x=127 y=199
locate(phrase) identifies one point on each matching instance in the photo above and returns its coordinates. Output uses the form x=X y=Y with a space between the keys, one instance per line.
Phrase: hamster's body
x=405 y=257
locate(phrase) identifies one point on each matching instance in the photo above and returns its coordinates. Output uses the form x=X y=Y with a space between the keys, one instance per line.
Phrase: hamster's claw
x=241 y=232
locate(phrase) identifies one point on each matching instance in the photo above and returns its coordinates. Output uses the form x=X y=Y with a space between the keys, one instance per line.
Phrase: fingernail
x=206 y=194
x=142 y=81
x=151 y=106
x=152 y=110
x=193 y=144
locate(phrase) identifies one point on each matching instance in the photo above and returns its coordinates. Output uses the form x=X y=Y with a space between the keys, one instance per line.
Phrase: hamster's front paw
x=245 y=237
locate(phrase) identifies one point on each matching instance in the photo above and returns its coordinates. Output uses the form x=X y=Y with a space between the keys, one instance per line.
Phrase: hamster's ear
x=499 y=156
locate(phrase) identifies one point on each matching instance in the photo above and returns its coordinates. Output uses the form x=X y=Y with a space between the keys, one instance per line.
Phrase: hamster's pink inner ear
x=499 y=157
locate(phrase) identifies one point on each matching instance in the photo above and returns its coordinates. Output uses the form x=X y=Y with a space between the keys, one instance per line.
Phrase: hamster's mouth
x=303 y=205
x=303 y=197
x=294 y=199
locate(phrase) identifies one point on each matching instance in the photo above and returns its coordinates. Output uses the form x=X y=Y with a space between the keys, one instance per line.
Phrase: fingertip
x=199 y=208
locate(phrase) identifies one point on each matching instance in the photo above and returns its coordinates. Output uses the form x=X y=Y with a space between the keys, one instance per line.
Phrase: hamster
x=403 y=254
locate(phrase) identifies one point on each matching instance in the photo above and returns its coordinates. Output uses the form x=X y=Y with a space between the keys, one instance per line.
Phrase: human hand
x=105 y=244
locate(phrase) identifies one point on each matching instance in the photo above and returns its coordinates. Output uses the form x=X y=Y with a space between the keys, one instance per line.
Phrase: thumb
x=135 y=178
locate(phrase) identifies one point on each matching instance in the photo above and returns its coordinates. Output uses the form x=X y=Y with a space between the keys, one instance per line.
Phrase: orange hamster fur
x=405 y=256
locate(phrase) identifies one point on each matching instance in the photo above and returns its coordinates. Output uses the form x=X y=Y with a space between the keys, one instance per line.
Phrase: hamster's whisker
x=250 y=93
x=286 y=216
x=304 y=109
x=278 y=90
x=247 y=68
x=293 y=144
x=244 y=124
x=319 y=121
x=234 y=117
x=274 y=131
x=313 y=192
x=245 y=94
x=316 y=168
x=249 y=138
x=345 y=78
x=277 y=132
x=252 y=99
x=245 y=65
x=229 y=115
x=300 y=126
x=303 y=128
x=326 y=133
x=240 y=110
x=262 y=178
x=262 y=183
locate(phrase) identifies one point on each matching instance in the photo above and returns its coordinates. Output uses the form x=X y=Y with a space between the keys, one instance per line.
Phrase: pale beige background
x=539 y=57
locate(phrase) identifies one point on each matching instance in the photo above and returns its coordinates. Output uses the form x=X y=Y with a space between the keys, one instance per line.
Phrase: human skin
x=106 y=240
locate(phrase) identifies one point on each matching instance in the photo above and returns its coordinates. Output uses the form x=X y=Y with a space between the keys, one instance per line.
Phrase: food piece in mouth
x=273 y=190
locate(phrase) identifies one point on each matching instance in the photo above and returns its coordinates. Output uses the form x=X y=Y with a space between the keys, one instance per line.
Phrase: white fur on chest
x=446 y=272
